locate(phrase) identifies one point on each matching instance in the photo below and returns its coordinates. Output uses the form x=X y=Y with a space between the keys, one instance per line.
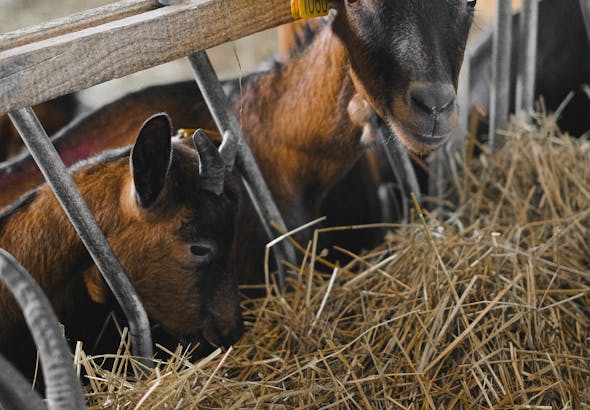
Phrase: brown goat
x=169 y=218
x=304 y=119
x=53 y=114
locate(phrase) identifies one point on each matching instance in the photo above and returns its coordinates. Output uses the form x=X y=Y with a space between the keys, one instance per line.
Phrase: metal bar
x=500 y=93
x=585 y=6
x=527 y=60
x=226 y=120
x=410 y=172
x=463 y=99
x=439 y=160
x=15 y=391
x=62 y=184
x=393 y=160
x=62 y=387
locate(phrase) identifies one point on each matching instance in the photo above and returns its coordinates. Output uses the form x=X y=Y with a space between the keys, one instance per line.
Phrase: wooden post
x=500 y=95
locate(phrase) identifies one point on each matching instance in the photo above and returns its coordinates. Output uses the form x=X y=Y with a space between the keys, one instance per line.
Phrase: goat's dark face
x=178 y=239
x=405 y=57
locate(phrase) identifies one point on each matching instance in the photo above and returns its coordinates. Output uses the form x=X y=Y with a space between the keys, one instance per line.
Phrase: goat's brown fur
x=53 y=114
x=184 y=297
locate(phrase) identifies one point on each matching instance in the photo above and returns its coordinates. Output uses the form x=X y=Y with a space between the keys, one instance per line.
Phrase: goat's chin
x=416 y=143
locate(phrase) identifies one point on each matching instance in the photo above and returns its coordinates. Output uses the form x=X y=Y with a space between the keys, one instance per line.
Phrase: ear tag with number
x=302 y=9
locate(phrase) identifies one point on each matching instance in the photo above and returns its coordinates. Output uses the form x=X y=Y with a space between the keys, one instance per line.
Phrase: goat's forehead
x=185 y=180
x=416 y=5
x=435 y=12
x=185 y=158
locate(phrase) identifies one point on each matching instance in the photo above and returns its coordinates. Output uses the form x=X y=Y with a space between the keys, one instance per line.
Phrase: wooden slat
x=75 y=22
x=49 y=68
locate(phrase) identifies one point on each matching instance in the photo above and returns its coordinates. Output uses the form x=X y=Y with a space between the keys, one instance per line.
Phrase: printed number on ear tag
x=302 y=9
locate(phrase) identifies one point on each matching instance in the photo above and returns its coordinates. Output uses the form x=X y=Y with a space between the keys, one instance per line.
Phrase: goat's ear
x=150 y=158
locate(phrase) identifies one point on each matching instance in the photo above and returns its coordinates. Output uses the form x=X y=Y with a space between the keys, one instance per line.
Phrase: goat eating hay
x=488 y=309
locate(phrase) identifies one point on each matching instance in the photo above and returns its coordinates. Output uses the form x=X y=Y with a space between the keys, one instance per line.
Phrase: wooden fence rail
x=75 y=22
x=45 y=69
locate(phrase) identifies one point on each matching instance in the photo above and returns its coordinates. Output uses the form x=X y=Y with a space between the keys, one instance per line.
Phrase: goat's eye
x=202 y=252
x=471 y=3
x=199 y=250
x=353 y=2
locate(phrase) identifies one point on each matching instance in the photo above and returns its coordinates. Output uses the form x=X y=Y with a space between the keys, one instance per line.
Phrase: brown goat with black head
x=167 y=212
x=304 y=119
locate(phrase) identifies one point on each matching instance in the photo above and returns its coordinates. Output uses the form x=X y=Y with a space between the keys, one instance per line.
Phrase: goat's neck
x=298 y=126
x=41 y=238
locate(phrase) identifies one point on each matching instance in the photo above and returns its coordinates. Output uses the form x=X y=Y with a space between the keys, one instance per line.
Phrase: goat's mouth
x=216 y=334
x=415 y=142
x=199 y=341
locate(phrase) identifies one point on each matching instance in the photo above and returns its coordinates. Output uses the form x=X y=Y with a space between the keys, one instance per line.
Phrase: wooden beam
x=76 y=22
x=43 y=70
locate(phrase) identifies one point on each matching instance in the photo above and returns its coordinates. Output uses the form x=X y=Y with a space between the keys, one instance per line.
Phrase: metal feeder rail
x=229 y=126
x=62 y=184
x=62 y=387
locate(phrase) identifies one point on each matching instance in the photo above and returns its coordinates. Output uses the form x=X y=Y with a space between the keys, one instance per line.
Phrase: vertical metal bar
x=585 y=6
x=439 y=160
x=62 y=184
x=527 y=60
x=62 y=387
x=393 y=160
x=500 y=95
x=226 y=120
x=463 y=99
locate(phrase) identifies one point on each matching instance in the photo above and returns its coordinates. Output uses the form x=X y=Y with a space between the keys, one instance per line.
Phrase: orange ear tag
x=303 y=9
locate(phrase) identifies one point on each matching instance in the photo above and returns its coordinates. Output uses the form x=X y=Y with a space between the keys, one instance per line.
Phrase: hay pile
x=489 y=308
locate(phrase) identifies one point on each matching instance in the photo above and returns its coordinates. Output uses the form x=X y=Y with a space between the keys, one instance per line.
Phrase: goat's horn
x=62 y=387
x=228 y=149
x=211 y=166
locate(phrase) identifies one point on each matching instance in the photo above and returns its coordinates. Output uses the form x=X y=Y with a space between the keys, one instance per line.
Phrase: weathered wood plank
x=49 y=68
x=75 y=22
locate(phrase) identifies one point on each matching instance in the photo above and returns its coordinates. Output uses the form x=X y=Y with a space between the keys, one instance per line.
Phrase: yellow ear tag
x=303 y=9
x=184 y=133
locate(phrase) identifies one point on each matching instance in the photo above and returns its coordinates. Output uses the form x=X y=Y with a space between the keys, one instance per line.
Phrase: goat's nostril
x=422 y=105
x=432 y=99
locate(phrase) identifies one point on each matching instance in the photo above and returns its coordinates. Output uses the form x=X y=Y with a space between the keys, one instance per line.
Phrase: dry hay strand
x=487 y=309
